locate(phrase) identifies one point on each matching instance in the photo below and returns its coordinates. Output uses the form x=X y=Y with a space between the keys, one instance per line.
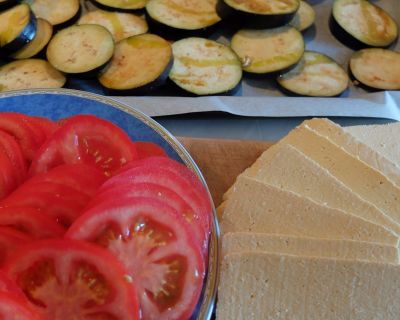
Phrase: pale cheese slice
x=281 y=287
x=352 y=145
x=308 y=247
x=382 y=138
x=290 y=169
x=258 y=207
x=368 y=183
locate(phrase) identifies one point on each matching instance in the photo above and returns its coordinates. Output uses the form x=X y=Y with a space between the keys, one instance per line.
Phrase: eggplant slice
x=304 y=17
x=59 y=12
x=316 y=75
x=261 y=14
x=205 y=67
x=121 y=4
x=17 y=28
x=82 y=49
x=121 y=25
x=140 y=63
x=183 y=14
x=359 y=23
x=269 y=50
x=376 y=68
x=29 y=74
x=39 y=42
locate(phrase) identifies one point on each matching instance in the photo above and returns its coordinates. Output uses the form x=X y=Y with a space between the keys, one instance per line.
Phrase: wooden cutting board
x=221 y=161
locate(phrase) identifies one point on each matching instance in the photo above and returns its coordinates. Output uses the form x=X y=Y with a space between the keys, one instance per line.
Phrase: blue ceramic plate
x=62 y=103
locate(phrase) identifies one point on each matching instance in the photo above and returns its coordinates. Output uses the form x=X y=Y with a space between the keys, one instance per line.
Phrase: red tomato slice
x=11 y=239
x=8 y=175
x=147 y=149
x=16 y=308
x=64 y=204
x=89 y=140
x=154 y=243
x=27 y=135
x=179 y=181
x=68 y=280
x=155 y=191
x=13 y=151
x=9 y=286
x=47 y=126
x=81 y=177
x=30 y=221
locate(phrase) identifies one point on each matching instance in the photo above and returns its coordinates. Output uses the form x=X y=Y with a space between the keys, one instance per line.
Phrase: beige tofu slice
x=308 y=247
x=283 y=287
x=290 y=169
x=370 y=184
x=382 y=138
x=352 y=145
x=255 y=206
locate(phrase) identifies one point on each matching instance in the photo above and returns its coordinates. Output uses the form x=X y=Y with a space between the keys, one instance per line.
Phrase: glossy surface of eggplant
x=304 y=17
x=121 y=4
x=60 y=12
x=205 y=67
x=316 y=75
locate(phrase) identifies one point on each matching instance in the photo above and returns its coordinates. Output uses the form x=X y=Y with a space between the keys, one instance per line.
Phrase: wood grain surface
x=221 y=161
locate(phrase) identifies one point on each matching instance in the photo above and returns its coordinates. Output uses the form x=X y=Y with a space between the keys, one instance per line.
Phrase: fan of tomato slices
x=96 y=226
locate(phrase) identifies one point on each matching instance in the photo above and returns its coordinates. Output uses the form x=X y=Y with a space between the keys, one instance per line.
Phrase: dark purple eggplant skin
x=7 y=4
x=23 y=38
x=347 y=39
x=145 y=89
x=108 y=8
x=171 y=33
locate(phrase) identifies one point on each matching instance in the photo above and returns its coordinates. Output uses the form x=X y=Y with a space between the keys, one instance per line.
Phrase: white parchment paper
x=263 y=98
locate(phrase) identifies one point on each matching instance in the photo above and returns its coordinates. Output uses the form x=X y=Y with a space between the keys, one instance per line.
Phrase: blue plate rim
x=211 y=286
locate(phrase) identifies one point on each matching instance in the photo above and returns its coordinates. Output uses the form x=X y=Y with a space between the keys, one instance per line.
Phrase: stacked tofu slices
x=311 y=229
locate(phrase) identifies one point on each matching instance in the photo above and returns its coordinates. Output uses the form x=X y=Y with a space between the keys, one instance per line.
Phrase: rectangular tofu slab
x=356 y=147
x=282 y=287
x=258 y=207
x=382 y=138
x=290 y=169
x=308 y=247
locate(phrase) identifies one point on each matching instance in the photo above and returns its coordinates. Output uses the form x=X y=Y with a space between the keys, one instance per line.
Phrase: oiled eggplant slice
x=269 y=50
x=121 y=25
x=139 y=63
x=59 y=12
x=39 y=42
x=17 y=28
x=29 y=74
x=183 y=14
x=122 y=4
x=376 y=68
x=205 y=67
x=304 y=17
x=316 y=75
x=263 y=14
x=82 y=49
x=361 y=23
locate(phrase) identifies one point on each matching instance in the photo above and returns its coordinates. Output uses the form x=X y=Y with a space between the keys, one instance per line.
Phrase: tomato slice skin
x=67 y=280
x=30 y=221
x=85 y=139
x=60 y=202
x=15 y=308
x=153 y=241
x=148 y=149
x=10 y=240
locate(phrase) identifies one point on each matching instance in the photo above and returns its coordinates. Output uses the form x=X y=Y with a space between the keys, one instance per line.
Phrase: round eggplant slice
x=82 y=49
x=359 y=23
x=139 y=63
x=304 y=17
x=122 y=4
x=205 y=67
x=260 y=14
x=59 y=12
x=270 y=50
x=183 y=14
x=39 y=42
x=376 y=68
x=121 y=25
x=316 y=75
x=17 y=28
x=29 y=74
